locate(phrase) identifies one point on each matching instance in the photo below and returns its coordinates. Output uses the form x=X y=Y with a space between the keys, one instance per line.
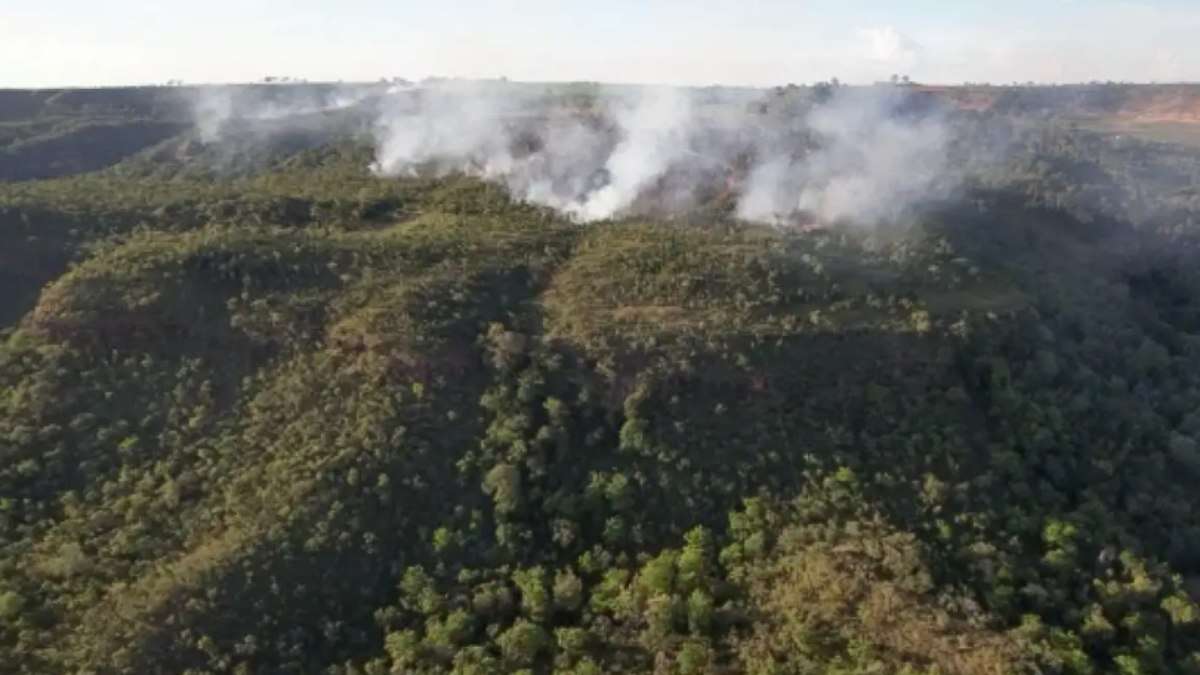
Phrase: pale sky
x=755 y=42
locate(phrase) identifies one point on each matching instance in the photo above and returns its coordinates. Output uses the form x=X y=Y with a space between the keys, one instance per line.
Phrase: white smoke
x=589 y=167
x=215 y=108
x=772 y=191
x=796 y=155
x=654 y=137
x=212 y=107
x=859 y=156
x=872 y=161
x=449 y=128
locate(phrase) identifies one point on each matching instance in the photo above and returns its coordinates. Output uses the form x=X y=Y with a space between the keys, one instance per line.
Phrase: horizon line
x=281 y=81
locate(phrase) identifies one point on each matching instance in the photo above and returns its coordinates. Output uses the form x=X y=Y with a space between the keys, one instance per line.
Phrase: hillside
x=264 y=409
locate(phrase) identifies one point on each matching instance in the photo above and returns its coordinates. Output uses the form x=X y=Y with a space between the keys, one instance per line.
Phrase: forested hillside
x=266 y=410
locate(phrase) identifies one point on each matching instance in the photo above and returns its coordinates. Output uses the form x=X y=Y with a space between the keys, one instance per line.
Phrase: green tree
x=523 y=643
x=11 y=605
x=568 y=591
x=700 y=612
x=535 y=598
x=503 y=483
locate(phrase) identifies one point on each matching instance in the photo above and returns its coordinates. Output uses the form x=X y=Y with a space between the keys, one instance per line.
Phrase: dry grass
x=821 y=598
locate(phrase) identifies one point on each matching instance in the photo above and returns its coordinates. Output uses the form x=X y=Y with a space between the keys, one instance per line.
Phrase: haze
x=754 y=42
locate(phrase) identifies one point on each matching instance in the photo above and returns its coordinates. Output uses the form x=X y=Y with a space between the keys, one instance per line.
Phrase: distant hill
x=62 y=132
x=52 y=133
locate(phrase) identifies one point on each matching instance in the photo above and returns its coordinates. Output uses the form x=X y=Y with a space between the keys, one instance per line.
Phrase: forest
x=270 y=404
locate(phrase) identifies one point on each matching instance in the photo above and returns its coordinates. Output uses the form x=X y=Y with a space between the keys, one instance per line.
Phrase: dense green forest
x=263 y=410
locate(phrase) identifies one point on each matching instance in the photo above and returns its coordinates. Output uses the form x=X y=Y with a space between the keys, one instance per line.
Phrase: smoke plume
x=216 y=108
x=859 y=155
x=591 y=162
x=870 y=161
x=795 y=155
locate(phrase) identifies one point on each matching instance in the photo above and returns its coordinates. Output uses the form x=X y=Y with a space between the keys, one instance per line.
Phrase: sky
x=51 y=43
